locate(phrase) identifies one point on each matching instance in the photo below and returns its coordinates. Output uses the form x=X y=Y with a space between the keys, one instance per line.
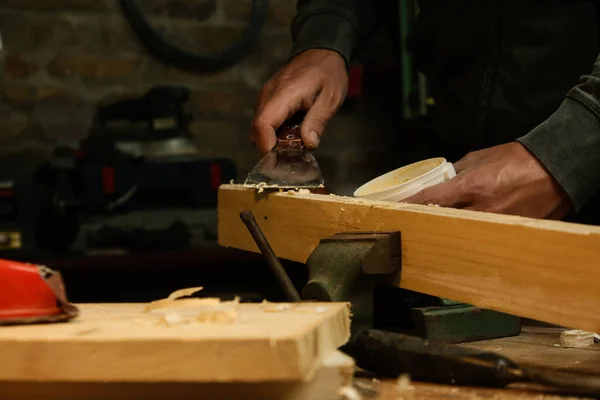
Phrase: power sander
x=139 y=155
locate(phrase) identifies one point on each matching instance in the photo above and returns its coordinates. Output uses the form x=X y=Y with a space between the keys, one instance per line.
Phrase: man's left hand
x=505 y=179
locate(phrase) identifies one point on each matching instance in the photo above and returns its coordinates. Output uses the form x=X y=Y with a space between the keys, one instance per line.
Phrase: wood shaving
x=275 y=307
x=184 y=292
x=183 y=303
x=172 y=300
x=403 y=383
x=226 y=316
x=261 y=187
x=576 y=338
x=210 y=309
x=301 y=192
x=171 y=318
x=349 y=393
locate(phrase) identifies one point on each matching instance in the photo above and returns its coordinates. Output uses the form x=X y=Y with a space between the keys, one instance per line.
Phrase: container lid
x=386 y=185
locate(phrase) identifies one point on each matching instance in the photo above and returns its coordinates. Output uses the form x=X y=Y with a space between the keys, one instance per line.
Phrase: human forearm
x=568 y=142
x=337 y=25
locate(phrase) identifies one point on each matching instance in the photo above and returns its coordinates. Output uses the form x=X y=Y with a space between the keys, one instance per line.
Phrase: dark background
x=84 y=51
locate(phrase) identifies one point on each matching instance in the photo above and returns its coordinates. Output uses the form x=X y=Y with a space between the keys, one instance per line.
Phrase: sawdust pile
x=177 y=311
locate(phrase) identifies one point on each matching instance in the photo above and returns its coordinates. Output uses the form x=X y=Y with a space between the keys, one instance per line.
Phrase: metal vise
x=348 y=266
x=364 y=269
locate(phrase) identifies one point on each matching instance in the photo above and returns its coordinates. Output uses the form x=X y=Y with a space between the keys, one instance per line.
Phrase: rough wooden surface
x=544 y=270
x=117 y=342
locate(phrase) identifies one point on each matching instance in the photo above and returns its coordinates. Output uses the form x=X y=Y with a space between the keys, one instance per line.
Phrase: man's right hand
x=315 y=81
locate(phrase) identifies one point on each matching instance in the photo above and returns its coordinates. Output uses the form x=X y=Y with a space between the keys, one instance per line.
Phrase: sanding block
x=31 y=293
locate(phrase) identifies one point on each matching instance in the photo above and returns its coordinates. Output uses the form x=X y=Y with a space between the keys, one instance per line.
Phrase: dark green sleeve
x=337 y=25
x=568 y=142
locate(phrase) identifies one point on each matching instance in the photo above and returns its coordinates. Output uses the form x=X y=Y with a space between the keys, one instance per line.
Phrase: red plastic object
x=24 y=292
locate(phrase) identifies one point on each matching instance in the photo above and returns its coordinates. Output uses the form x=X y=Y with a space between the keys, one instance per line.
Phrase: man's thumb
x=311 y=130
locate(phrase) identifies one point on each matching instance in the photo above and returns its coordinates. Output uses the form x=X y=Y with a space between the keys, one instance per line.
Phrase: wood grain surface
x=117 y=342
x=544 y=270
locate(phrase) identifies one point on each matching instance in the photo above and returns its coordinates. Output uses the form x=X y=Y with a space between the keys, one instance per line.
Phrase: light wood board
x=117 y=342
x=334 y=372
x=544 y=270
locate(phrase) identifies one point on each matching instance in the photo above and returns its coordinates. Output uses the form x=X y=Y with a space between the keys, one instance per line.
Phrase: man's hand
x=314 y=80
x=505 y=179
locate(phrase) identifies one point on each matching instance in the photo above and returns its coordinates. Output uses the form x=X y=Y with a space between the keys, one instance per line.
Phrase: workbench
x=530 y=349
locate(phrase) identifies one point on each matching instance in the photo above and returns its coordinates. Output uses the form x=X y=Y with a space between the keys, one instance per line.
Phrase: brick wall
x=85 y=50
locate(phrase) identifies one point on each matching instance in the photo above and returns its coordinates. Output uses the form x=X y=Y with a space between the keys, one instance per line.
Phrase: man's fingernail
x=313 y=139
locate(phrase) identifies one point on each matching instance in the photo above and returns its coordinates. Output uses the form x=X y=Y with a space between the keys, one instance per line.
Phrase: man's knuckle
x=258 y=123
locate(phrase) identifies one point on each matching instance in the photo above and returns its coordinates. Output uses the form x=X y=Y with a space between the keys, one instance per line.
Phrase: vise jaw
x=346 y=267
x=349 y=267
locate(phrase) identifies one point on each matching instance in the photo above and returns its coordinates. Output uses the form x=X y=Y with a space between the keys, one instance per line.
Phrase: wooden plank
x=334 y=372
x=117 y=342
x=544 y=270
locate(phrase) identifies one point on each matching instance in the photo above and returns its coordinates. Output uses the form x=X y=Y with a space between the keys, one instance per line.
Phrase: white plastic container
x=403 y=182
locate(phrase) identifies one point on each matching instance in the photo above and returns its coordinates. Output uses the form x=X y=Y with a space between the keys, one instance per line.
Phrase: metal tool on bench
x=289 y=165
x=286 y=284
x=389 y=354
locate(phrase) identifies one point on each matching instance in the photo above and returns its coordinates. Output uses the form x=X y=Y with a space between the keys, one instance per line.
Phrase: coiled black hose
x=158 y=45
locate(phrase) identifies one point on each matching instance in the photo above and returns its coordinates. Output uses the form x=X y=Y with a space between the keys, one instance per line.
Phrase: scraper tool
x=289 y=165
